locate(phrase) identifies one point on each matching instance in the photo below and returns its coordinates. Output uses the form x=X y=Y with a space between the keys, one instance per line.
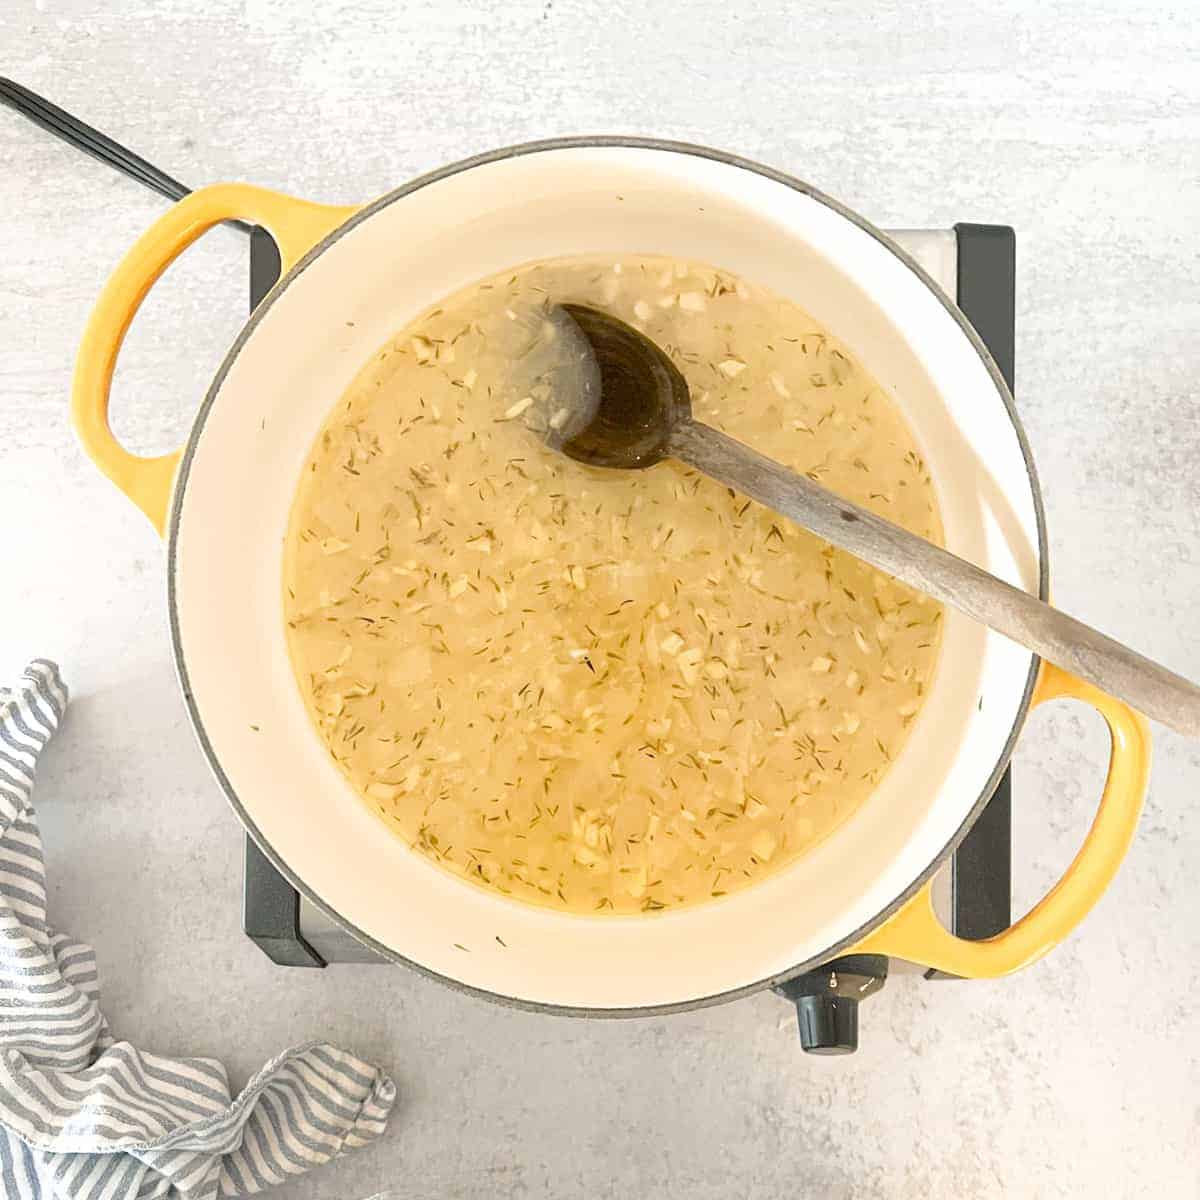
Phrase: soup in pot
x=603 y=691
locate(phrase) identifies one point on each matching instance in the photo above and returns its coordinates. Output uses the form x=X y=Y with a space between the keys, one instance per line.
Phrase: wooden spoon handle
x=1092 y=655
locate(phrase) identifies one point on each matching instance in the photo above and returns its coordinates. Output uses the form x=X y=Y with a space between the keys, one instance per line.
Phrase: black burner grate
x=979 y=875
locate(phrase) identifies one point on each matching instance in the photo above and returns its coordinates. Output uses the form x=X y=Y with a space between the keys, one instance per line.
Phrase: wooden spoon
x=641 y=413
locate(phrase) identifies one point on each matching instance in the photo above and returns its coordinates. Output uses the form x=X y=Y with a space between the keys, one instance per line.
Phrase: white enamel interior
x=312 y=339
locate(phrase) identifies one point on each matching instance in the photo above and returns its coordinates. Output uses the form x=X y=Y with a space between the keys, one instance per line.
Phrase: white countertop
x=1079 y=124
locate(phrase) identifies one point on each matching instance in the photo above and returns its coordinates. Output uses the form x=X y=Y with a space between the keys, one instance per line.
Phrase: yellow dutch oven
x=352 y=277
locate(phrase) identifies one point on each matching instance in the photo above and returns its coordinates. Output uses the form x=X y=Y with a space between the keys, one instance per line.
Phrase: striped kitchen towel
x=86 y=1117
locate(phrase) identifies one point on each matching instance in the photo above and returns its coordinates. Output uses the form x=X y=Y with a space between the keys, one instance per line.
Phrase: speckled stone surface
x=1079 y=123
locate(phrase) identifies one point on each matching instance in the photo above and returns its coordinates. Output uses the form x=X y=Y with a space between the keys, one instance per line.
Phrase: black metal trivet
x=978 y=884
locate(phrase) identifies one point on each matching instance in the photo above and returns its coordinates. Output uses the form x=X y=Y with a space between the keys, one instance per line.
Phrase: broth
x=607 y=692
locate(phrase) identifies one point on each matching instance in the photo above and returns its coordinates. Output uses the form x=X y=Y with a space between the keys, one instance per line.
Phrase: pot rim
x=364 y=214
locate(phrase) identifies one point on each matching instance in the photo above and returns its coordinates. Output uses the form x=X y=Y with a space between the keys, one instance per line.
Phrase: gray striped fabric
x=86 y=1117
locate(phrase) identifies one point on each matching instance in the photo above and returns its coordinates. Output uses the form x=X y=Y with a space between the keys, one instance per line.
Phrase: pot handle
x=296 y=225
x=915 y=933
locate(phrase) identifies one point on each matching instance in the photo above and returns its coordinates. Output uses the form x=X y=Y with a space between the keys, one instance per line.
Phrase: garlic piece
x=763 y=845
x=671 y=644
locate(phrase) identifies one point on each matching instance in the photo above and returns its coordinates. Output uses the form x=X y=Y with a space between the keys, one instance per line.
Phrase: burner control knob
x=827 y=999
x=828 y=1024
